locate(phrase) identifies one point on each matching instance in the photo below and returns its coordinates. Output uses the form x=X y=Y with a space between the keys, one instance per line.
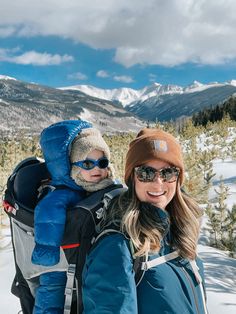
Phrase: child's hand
x=45 y=255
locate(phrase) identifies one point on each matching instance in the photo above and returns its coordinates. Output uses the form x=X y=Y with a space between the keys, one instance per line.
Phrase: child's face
x=96 y=174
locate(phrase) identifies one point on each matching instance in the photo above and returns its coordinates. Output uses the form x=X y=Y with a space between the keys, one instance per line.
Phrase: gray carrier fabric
x=23 y=239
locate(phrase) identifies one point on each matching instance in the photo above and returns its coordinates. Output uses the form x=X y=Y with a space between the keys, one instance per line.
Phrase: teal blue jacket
x=109 y=286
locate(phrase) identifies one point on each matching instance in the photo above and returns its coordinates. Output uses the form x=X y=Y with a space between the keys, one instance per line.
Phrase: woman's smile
x=157 y=192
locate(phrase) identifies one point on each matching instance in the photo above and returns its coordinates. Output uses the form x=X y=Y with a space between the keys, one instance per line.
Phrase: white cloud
x=78 y=76
x=33 y=57
x=168 y=33
x=123 y=78
x=6 y=53
x=102 y=74
x=6 y=31
x=152 y=77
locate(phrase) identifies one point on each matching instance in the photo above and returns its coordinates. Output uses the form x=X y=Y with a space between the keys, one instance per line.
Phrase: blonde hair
x=146 y=232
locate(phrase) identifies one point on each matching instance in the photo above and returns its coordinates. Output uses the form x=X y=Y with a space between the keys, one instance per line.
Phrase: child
x=77 y=158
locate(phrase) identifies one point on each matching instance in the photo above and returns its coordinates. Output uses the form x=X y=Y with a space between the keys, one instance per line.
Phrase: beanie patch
x=160 y=145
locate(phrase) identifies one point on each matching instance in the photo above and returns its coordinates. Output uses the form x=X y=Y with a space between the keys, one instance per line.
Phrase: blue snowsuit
x=50 y=213
x=109 y=285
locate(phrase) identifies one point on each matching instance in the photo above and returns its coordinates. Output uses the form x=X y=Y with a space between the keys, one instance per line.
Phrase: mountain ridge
x=155 y=89
x=31 y=107
x=166 y=102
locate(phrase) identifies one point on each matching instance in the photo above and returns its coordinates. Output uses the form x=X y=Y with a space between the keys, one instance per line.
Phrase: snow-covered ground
x=9 y=303
x=220 y=274
x=220 y=270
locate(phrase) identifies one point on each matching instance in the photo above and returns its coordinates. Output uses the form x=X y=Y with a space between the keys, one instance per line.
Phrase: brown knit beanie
x=86 y=141
x=154 y=144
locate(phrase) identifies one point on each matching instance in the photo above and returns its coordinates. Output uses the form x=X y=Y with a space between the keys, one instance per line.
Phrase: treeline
x=217 y=113
x=201 y=146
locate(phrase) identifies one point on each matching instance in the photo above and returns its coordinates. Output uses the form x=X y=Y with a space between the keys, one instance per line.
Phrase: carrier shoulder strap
x=69 y=289
x=108 y=194
x=173 y=255
x=88 y=204
x=159 y=260
x=199 y=280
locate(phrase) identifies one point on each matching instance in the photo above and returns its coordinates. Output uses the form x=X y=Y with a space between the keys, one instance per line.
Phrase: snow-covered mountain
x=31 y=107
x=127 y=96
x=35 y=106
x=122 y=95
x=164 y=102
x=5 y=77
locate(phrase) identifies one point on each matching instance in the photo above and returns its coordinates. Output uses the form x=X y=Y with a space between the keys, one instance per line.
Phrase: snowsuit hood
x=56 y=142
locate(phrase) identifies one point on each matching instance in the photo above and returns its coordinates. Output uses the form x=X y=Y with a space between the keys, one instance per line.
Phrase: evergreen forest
x=202 y=144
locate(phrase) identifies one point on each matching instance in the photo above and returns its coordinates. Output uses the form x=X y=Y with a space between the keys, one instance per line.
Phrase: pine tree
x=206 y=167
x=230 y=231
x=231 y=149
x=213 y=225
x=194 y=180
x=218 y=217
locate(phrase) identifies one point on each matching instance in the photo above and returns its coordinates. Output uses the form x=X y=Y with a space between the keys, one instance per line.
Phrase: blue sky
x=111 y=44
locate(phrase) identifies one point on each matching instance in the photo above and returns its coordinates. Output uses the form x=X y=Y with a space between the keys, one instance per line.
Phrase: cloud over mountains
x=168 y=33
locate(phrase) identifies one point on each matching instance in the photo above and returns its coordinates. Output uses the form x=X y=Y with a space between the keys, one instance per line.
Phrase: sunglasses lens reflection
x=103 y=163
x=149 y=174
x=89 y=164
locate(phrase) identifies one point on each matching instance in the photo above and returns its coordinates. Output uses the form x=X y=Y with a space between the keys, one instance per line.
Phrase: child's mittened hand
x=45 y=255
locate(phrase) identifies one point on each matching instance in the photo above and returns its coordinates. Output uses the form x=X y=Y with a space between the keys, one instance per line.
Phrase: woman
x=157 y=220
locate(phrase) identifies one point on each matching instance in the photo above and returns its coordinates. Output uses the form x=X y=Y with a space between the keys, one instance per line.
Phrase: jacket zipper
x=192 y=287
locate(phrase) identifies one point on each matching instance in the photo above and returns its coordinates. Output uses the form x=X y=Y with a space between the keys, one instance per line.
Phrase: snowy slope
x=9 y=303
x=220 y=273
x=35 y=107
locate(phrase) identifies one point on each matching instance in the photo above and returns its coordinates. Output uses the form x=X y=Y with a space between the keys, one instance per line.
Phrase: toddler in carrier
x=77 y=158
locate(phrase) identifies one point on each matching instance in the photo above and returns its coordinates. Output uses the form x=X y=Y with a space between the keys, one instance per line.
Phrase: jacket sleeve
x=50 y=295
x=49 y=222
x=108 y=278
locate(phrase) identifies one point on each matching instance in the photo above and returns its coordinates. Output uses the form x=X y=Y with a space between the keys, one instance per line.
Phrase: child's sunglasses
x=89 y=164
x=149 y=174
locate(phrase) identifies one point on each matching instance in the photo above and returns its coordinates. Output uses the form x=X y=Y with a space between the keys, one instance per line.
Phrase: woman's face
x=159 y=193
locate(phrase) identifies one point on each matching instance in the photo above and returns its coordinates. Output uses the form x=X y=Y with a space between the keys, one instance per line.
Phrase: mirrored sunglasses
x=89 y=164
x=149 y=174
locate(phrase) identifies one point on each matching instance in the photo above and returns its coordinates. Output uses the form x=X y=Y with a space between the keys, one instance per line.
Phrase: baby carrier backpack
x=30 y=182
